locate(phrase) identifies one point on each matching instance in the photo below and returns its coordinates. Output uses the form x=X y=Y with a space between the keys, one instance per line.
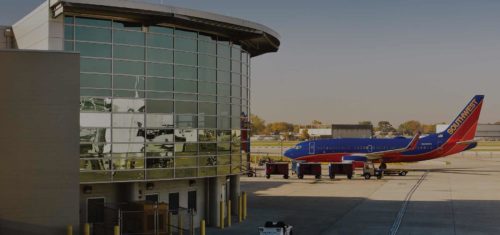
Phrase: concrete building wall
x=3 y=37
x=40 y=144
x=39 y=31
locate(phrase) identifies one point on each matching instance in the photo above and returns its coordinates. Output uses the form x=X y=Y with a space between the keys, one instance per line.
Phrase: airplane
x=458 y=137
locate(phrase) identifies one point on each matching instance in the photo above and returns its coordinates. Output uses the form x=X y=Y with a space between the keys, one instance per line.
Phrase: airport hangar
x=164 y=107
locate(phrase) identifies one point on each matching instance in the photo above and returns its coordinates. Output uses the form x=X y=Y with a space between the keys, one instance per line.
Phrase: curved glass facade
x=158 y=102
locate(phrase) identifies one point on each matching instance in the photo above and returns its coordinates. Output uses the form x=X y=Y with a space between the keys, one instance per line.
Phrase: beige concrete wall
x=39 y=31
x=39 y=93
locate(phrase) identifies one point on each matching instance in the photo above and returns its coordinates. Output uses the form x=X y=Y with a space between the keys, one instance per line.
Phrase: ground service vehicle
x=276 y=228
x=305 y=168
x=341 y=169
x=277 y=168
x=369 y=170
x=400 y=172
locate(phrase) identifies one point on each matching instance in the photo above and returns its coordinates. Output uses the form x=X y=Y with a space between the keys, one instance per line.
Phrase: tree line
x=383 y=128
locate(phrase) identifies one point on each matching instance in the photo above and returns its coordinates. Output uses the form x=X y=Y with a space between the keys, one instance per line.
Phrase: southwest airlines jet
x=458 y=137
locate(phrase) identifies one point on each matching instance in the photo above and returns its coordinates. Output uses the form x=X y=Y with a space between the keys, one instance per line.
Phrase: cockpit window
x=298 y=147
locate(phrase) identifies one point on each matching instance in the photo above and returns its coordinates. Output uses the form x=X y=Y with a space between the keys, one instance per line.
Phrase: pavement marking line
x=402 y=211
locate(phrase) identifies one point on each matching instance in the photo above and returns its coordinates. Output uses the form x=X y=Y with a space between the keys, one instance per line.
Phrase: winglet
x=413 y=143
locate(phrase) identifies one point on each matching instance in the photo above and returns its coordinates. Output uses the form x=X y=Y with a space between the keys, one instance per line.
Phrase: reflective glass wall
x=158 y=102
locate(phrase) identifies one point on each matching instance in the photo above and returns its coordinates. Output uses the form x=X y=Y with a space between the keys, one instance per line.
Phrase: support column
x=234 y=192
x=216 y=195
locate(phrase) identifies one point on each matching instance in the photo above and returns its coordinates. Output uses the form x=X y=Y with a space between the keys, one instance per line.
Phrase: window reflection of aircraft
x=458 y=137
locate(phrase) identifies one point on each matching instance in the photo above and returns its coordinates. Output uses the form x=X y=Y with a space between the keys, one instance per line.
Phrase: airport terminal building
x=164 y=100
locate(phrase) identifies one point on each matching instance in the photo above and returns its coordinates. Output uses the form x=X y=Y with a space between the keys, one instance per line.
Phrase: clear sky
x=343 y=61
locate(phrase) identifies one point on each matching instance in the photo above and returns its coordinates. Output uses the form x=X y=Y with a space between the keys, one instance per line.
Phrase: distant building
x=483 y=131
x=316 y=133
x=351 y=131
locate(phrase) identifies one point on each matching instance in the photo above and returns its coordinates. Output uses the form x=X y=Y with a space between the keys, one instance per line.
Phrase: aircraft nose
x=289 y=153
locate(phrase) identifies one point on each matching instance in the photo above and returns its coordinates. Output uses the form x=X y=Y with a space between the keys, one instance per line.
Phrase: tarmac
x=453 y=195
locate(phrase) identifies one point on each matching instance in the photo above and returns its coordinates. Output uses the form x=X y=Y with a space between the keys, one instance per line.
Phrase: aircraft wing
x=411 y=146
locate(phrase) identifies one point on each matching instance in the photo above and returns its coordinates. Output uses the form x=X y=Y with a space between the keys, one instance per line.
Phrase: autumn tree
x=410 y=127
x=304 y=135
x=257 y=125
x=497 y=123
x=280 y=127
x=385 y=127
x=428 y=129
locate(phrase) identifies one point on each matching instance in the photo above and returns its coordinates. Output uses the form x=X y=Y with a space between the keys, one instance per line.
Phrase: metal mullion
x=145 y=98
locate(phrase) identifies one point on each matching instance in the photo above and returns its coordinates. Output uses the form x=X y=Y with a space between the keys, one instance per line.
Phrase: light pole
x=281 y=142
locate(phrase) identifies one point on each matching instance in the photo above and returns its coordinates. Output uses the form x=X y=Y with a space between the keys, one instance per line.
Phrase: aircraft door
x=312 y=147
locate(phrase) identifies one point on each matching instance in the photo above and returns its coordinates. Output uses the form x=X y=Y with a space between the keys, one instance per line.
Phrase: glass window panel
x=128 y=37
x=207 y=47
x=94 y=135
x=95 y=65
x=128 y=94
x=128 y=135
x=186 y=72
x=235 y=100
x=235 y=135
x=95 y=80
x=223 y=170
x=207 y=135
x=235 y=79
x=185 y=107
x=128 y=175
x=207 y=75
x=95 y=176
x=185 y=33
x=236 y=91
x=244 y=57
x=185 y=58
x=159 y=106
x=161 y=29
x=128 y=164
x=186 y=172
x=186 y=162
x=207 y=97
x=68 y=45
x=93 y=104
x=93 y=49
x=236 y=147
x=223 y=109
x=207 y=108
x=224 y=147
x=128 y=120
x=95 y=92
x=95 y=119
x=158 y=40
x=223 y=76
x=223 y=64
x=95 y=150
x=186 y=135
x=69 y=20
x=224 y=159
x=207 y=171
x=128 y=82
x=128 y=52
x=244 y=71
x=127 y=25
x=223 y=90
x=223 y=123
x=160 y=150
x=207 y=61
x=186 y=149
x=186 y=97
x=94 y=164
x=159 y=163
x=68 y=32
x=208 y=148
x=223 y=135
x=160 y=55
x=129 y=150
x=235 y=122
x=207 y=122
x=186 y=121
x=92 y=22
x=185 y=86
x=160 y=135
x=236 y=52
x=221 y=99
x=128 y=105
x=160 y=70
x=235 y=110
x=235 y=66
x=223 y=51
x=160 y=120
x=92 y=34
x=160 y=95
x=185 y=44
x=208 y=160
x=159 y=84
x=128 y=67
